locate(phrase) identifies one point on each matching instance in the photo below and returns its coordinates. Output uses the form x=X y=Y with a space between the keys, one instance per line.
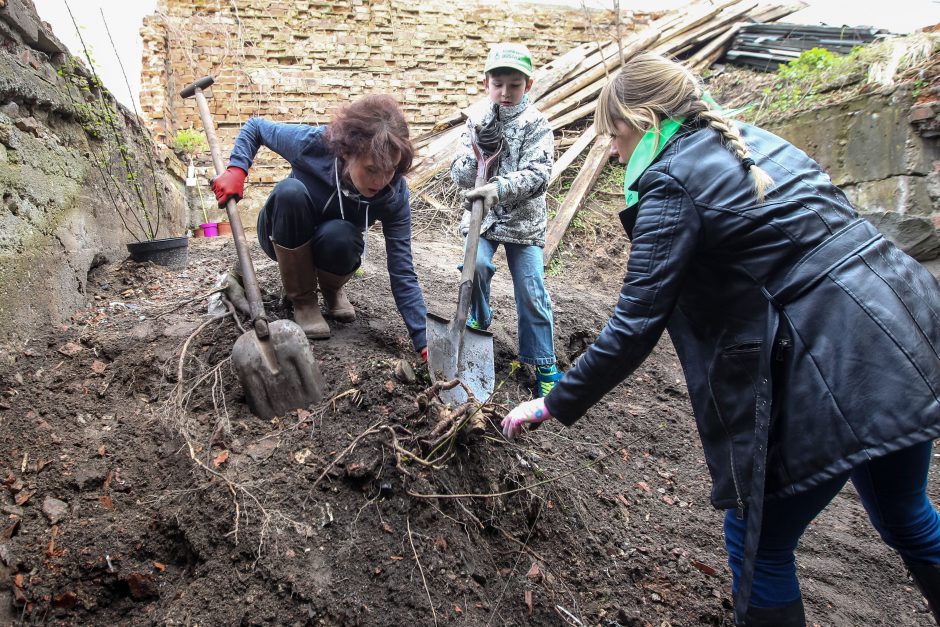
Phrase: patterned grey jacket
x=523 y=171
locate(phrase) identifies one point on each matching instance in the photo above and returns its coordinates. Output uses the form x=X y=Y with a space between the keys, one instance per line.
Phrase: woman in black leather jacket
x=809 y=343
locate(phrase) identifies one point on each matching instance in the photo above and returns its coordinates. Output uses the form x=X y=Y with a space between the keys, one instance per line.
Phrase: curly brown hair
x=373 y=125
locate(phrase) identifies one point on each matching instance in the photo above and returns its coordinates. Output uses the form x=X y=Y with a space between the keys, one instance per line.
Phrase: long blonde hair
x=650 y=88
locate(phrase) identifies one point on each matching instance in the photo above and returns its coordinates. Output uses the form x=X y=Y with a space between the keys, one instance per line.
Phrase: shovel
x=454 y=350
x=273 y=360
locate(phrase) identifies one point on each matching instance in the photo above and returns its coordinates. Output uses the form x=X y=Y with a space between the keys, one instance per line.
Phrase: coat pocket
x=732 y=379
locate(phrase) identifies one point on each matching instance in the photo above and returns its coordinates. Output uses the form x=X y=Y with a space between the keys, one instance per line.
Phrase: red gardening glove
x=230 y=184
x=424 y=355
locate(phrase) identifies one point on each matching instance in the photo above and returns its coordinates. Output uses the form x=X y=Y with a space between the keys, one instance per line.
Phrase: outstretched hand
x=531 y=412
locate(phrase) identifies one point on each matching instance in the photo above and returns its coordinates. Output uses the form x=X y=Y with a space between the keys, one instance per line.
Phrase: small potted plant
x=191 y=142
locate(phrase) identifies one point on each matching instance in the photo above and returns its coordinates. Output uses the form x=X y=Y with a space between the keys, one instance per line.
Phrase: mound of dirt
x=140 y=490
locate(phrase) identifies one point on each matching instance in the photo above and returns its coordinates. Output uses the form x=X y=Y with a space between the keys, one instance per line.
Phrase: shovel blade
x=460 y=353
x=278 y=373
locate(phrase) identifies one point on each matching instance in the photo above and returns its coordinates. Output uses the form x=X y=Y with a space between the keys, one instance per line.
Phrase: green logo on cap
x=513 y=56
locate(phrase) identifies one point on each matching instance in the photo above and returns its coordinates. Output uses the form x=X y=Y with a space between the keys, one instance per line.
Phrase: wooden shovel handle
x=256 y=307
x=473 y=234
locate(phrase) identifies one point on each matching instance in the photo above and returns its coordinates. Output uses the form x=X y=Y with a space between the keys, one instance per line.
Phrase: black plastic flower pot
x=172 y=252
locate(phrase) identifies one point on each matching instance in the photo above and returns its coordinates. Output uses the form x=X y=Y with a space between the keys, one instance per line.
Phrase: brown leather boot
x=299 y=277
x=337 y=305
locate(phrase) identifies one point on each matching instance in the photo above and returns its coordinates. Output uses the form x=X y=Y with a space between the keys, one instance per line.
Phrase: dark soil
x=133 y=497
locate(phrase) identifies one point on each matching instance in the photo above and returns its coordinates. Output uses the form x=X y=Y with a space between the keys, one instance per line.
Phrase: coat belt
x=820 y=261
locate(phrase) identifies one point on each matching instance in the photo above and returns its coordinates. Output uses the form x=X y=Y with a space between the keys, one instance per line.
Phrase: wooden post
x=593 y=165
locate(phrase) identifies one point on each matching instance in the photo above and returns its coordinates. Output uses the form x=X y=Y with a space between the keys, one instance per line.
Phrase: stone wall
x=298 y=61
x=58 y=217
x=878 y=149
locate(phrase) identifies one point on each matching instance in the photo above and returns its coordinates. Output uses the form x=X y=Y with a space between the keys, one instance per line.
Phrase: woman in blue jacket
x=810 y=344
x=344 y=177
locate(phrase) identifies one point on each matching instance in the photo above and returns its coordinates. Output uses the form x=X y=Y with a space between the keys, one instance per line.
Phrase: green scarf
x=646 y=150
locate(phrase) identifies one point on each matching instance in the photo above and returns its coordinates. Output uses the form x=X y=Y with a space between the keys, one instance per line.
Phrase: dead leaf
x=159 y=566
x=528 y=600
x=220 y=459
x=440 y=544
x=623 y=500
x=535 y=574
x=642 y=485
x=668 y=500
x=23 y=496
x=389 y=386
x=101 y=450
x=705 y=568
x=50 y=548
x=10 y=530
x=387 y=528
x=70 y=348
x=106 y=502
x=98 y=367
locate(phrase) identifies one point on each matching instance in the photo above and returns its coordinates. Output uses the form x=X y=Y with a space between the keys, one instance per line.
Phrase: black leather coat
x=844 y=362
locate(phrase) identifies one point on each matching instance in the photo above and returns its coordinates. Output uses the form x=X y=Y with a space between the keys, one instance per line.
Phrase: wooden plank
x=435 y=203
x=568 y=157
x=706 y=56
x=593 y=166
x=640 y=42
x=548 y=77
x=582 y=111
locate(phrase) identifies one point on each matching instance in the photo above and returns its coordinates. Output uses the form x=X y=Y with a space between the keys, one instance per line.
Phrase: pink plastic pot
x=210 y=229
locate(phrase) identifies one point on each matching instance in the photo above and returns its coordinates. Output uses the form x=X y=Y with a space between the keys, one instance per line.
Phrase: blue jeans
x=893 y=490
x=533 y=306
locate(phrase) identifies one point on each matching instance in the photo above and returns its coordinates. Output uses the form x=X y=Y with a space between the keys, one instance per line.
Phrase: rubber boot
x=927 y=578
x=791 y=615
x=337 y=305
x=300 y=286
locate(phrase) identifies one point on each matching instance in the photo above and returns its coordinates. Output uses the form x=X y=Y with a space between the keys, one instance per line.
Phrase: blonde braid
x=735 y=142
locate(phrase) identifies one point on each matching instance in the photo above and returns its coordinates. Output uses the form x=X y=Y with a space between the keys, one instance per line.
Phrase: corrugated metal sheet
x=766 y=46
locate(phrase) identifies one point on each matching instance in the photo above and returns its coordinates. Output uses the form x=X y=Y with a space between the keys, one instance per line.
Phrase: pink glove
x=230 y=184
x=531 y=412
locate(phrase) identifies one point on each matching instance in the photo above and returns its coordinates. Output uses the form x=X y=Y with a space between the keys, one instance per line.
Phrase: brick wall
x=297 y=61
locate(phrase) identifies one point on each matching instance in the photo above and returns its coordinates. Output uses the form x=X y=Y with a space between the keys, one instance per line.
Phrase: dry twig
x=420 y=569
